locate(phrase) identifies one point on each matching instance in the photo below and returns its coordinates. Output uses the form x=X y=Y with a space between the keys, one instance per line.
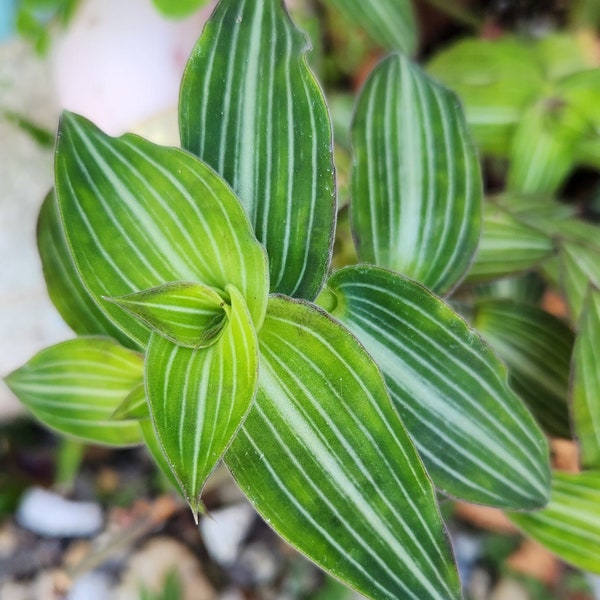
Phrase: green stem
x=458 y=13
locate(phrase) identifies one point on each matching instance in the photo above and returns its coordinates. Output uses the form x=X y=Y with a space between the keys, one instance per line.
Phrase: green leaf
x=416 y=184
x=579 y=267
x=188 y=314
x=536 y=347
x=154 y=447
x=496 y=80
x=251 y=108
x=178 y=9
x=65 y=287
x=390 y=23
x=137 y=215
x=199 y=398
x=134 y=406
x=570 y=525
x=543 y=149
x=507 y=246
x=325 y=459
x=75 y=386
x=585 y=383
x=476 y=438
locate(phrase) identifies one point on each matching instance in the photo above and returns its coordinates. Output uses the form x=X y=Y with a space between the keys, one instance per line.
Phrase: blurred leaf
x=476 y=438
x=40 y=135
x=75 y=386
x=134 y=406
x=559 y=55
x=68 y=460
x=73 y=301
x=579 y=267
x=585 y=382
x=543 y=148
x=326 y=461
x=154 y=447
x=199 y=398
x=188 y=314
x=496 y=80
x=118 y=197
x=390 y=23
x=251 y=108
x=570 y=525
x=507 y=246
x=178 y=9
x=528 y=287
x=416 y=183
x=536 y=347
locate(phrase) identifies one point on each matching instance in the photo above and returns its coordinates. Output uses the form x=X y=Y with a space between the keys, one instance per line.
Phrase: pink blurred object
x=119 y=63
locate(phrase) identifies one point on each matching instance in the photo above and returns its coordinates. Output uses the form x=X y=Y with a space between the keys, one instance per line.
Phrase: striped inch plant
x=210 y=327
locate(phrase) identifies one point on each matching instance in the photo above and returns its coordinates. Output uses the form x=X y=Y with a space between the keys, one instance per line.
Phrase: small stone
x=92 y=585
x=258 y=565
x=50 y=515
x=225 y=530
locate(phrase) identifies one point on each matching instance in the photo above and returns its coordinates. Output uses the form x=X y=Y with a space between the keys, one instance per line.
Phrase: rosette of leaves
x=192 y=278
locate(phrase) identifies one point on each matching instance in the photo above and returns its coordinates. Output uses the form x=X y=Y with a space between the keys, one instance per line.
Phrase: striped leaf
x=199 y=398
x=416 y=183
x=536 y=347
x=251 y=108
x=326 y=461
x=507 y=246
x=570 y=525
x=476 y=438
x=188 y=314
x=135 y=405
x=496 y=80
x=390 y=23
x=156 y=452
x=137 y=215
x=75 y=386
x=65 y=287
x=579 y=267
x=585 y=383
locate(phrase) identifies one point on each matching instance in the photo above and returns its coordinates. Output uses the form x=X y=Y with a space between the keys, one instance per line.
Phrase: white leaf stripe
x=476 y=438
x=249 y=67
x=121 y=196
x=390 y=23
x=416 y=186
x=329 y=448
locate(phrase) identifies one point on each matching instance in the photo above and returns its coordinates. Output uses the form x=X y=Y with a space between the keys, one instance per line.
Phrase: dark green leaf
x=536 y=347
x=416 y=184
x=325 y=459
x=476 y=438
x=251 y=108
x=75 y=386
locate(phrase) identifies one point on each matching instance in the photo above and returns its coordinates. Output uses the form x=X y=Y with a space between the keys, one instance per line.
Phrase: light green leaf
x=542 y=151
x=188 y=314
x=585 y=383
x=137 y=215
x=178 y=9
x=536 y=347
x=390 y=23
x=570 y=525
x=416 y=184
x=251 y=108
x=325 y=459
x=75 y=386
x=476 y=438
x=65 y=287
x=135 y=405
x=496 y=80
x=156 y=452
x=579 y=267
x=199 y=398
x=507 y=246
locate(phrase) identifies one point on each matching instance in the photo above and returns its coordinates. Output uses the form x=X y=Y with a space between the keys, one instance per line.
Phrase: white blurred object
x=92 y=585
x=51 y=515
x=119 y=63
